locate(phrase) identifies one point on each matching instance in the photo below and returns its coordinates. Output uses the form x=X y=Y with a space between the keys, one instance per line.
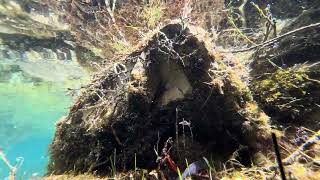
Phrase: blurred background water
x=29 y=108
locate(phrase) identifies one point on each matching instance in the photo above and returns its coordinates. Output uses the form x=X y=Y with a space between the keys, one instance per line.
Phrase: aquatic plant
x=287 y=89
x=153 y=12
x=157 y=76
x=270 y=22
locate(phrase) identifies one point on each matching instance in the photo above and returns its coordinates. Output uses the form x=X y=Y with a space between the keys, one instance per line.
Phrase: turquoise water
x=28 y=113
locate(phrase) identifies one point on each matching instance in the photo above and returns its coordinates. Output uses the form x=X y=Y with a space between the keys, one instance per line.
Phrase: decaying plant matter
x=112 y=28
x=175 y=98
x=171 y=81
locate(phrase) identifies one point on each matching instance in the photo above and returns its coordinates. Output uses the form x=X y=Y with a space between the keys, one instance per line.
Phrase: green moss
x=152 y=13
x=240 y=87
x=120 y=47
x=286 y=89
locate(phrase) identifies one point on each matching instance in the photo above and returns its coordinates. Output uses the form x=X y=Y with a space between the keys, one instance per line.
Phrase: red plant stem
x=172 y=166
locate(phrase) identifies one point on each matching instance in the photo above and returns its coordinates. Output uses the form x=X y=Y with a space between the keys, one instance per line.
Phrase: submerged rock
x=174 y=86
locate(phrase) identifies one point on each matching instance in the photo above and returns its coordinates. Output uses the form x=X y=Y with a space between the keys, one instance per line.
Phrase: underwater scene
x=28 y=114
x=159 y=89
x=30 y=107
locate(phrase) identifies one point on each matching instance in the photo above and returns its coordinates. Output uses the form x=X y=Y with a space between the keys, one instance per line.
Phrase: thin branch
x=240 y=32
x=13 y=169
x=292 y=158
x=113 y=5
x=274 y=40
x=177 y=130
x=280 y=165
x=314 y=139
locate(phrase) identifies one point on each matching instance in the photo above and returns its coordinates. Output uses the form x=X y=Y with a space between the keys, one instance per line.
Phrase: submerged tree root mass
x=180 y=89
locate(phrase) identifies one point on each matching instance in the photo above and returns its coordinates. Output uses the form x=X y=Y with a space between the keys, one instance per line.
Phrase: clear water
x=28 y=113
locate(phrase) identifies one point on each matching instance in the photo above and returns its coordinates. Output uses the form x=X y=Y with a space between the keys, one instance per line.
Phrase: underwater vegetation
x=210 y=89
x=289 y=90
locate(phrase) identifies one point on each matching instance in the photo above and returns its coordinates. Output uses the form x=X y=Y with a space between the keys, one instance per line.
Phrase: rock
x=172 y=87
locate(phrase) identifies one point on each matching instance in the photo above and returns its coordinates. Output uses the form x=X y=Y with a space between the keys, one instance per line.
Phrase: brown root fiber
x=173 y=82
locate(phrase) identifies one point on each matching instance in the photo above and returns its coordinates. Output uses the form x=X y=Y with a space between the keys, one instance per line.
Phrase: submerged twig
x=276 y=148
x=303 y=147
x=291 y=159
x=177 y=130
x=240 y=32
x=13 y=169
x=274 y=40
x=271 y=23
